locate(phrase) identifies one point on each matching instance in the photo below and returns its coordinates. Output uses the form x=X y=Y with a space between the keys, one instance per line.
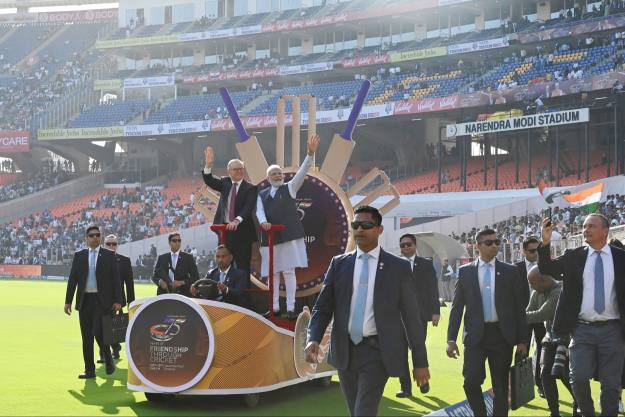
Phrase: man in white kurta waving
x=277 y=204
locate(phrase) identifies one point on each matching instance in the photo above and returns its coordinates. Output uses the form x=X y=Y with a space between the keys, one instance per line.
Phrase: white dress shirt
x=173 y=264
x=369 y=328
x=97 y=252
x=587 y=311
x=411 y=260
x=208 y=171
x=481 y=268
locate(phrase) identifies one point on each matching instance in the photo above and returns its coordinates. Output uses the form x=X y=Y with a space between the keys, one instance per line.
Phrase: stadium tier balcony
x=23 y=40
x=328 y=97
x=114 y=114
x=188 y=108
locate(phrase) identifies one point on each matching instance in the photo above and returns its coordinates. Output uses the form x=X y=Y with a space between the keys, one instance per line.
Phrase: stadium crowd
x=47 y=239
x=49 y=175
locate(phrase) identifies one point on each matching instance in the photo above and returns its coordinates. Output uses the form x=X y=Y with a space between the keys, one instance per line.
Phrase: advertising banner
x=418 y=54
x=588 y=26
x=426 y=105
x=107 y=84
x=22 y=271
x=363 y=61
x=81 y=133
x=461 y=48
x=14 y=141
x=516 y=123
x=167 y=128
x=78 y=16
x=148 y=82
x=127 y=42
x=302 y=69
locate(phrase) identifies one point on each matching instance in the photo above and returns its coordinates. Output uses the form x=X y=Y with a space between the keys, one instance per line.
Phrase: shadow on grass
x=112 y=398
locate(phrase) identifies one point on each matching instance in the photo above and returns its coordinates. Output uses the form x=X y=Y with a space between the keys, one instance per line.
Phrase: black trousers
x=364 y=379
x=241 y=250
x=550 y=388
x=405 y=380
x=90 y=317
x=494 y=348
x=539 y=333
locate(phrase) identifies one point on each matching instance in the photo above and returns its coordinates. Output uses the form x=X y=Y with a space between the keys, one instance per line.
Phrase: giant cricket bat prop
x=342 y=145
x=248 y=146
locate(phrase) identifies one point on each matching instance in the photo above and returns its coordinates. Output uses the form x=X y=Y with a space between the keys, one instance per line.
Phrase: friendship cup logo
x=302 y=205
x=166 y=331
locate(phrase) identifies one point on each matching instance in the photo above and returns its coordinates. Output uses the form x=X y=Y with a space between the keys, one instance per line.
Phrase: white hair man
x=276 y=204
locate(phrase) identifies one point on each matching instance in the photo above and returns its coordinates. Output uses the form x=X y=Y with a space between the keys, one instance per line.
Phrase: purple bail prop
x=353 y=116
x=234 y=116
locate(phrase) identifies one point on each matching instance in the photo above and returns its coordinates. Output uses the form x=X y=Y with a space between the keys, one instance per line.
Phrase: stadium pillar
x=579 y=157
x=480 y=21
x=439 y=161
x=550 y=147
x=496 y=161
x=529 y=159
x=251 y=52
x=617 y=168
x=587 y=152
x=486 y=144
x=199 y=56
x=516 y=159
x=420 y=31
x=360 y=39
x=543 y=11
x=557 y=156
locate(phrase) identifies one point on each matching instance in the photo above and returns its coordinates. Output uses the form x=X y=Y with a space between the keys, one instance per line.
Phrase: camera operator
x=554 y=356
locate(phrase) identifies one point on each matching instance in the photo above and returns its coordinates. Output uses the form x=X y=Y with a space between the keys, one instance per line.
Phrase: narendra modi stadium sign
x=517 y=123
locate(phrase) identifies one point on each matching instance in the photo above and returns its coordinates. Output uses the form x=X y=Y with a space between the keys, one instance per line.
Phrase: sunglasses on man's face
x=366 y=225
x=176 y=240
x=490 y=242
x=111 y=243
x=94 y=235
x=405 y=245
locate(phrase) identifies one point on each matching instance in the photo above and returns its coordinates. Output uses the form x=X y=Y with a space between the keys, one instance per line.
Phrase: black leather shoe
x=290 y=315
x=110 y=368
x=101 y=360
x=116 y=355
x=541 y=393
x=402 y=394
x=87 y=375
x=425 y=388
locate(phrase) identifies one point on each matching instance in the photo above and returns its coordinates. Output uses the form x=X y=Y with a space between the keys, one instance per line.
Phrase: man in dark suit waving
x=176 y=270
x=590 y=309
x=426 y=289
x=232 y=283
x=237 y=203
x=370 y=294
x=489 y=294
x=94 y=272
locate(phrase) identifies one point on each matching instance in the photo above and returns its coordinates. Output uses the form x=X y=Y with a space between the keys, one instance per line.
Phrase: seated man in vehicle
x=231 y=283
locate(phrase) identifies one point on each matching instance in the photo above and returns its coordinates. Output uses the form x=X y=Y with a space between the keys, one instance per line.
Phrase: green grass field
x=41 y=358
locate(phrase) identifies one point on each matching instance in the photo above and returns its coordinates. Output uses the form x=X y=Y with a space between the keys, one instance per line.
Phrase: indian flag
x=587 y=197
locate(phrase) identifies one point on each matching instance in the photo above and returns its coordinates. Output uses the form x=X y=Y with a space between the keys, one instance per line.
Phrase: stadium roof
x=6 y=4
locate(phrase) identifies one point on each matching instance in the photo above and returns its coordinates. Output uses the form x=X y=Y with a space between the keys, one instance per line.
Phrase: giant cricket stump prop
x=325 y=208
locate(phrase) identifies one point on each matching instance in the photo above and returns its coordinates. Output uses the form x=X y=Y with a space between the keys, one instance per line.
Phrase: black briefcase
x=521 y=383
x=114 y=328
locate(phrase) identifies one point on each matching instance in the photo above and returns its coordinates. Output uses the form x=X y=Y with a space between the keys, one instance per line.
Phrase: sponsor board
x=517 y=123
x=170 y=343
x=461 y=48
x=10 y=270
x=127 y=42
x=363 y=61
x=426 y=105
x=167 y=128
x=107 y=84
x=418 y=54
x=84 y=16
x=302 y=69
x=81 y=133
x=14 y=141
x=148 y=82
